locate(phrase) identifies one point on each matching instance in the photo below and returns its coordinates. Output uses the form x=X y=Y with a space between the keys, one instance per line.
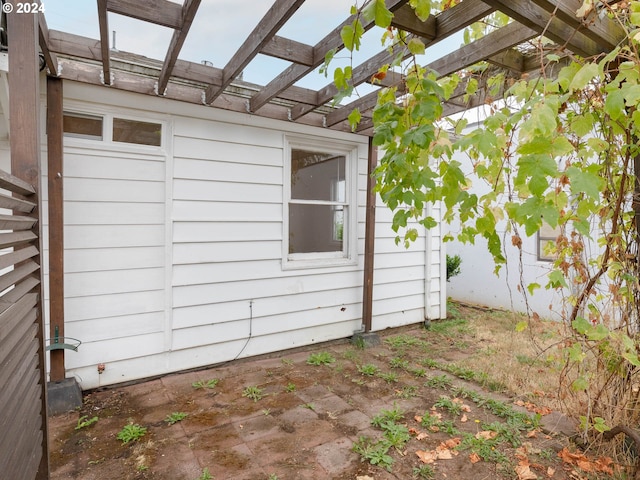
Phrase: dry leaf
x=422 y=436
x=486 y=435
x=464 y=418
x=474 y=457
x=427 y=457
x=551 y=472
x=451 y=443
x=418 y=418
x=465 y=408
x=443 y=453
x=525 y=473
x=532 y=434
x=364 y=477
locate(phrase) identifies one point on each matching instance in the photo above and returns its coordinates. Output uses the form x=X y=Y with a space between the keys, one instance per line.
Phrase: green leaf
x=521 y=326
x=422 y=8
x=581 y=325
x=378 y=12
x=348 y=34
x=586 y=180
x=614 y=104
x=557 y=280
x=580 y=384
x=354 y=119
x=598 y=333
x=532 y=287
x=575 y=353
x=600 y=426
x=581 y=79
x=416 y=46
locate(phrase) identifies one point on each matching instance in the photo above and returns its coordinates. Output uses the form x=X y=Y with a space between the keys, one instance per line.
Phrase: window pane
x=317 y=176
x=132 y=131
x=315 y=228
x=82 y=126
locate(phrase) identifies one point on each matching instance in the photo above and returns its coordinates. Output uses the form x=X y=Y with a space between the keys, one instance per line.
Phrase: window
x=546 y=235
x=134 y=131
x=79 y=125
x=317 y=205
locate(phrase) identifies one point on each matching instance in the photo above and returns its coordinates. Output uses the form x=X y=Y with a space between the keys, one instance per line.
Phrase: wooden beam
x=24 y=105
x=104 y=41
x=405 y=19
x=470 y=54
x=160 y=12
x=532 y=16
x=74 y=45
x=56 y=222
x=49 y=57
x=179 y=36
x=445 y=24
x=600 y=29
x=369 y=239
x=289 y=50
x=273 y=20
x=295 y=72
x=510 y=59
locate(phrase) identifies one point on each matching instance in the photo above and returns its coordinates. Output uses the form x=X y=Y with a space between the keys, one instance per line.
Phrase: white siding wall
x=174 y=255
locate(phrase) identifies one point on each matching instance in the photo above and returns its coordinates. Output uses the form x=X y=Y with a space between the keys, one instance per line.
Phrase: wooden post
x=24 y=115
x=56 y=224
x=369 y=239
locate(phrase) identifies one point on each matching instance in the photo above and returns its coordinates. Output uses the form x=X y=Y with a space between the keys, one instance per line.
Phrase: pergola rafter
x=92 y=61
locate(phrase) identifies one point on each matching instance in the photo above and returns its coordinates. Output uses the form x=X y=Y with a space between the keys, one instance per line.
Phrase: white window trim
x=348 y=255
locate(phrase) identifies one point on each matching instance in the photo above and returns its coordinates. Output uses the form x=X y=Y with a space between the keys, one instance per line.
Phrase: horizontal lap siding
x=227 y=248
x=115 y=254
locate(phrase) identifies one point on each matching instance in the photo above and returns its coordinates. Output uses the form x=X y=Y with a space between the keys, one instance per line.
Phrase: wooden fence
x=22 y=403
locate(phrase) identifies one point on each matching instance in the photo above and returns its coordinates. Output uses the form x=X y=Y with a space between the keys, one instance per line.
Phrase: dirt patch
x=425 y=404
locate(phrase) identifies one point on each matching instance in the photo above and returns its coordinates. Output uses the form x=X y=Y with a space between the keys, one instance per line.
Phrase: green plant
x=205 y=475
x=368 y=369
x=407 y=391
x=397 y=362
x=82 y=422
x=430 y=363
x=453 y=266
x=374 y=453
x=388 y=377
x=395 y=435
x=266 y=412
x=273 y=476
x=205 y=383
x=439 y=381
x=253 y=392
x=386 y=416
x=418 y=372
x=309 y=406
x=175 y=417
x=403 y=341
x=131 y=432
x=425 y=472
x=291 y=387
x=455 y=408
x=287 y=361
x=320 y=358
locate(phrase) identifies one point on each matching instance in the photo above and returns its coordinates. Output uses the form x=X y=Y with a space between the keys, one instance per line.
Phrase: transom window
x=108 y=128
x=318 y=210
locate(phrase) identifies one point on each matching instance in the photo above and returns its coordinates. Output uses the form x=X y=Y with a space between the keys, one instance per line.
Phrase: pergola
x=72 y=57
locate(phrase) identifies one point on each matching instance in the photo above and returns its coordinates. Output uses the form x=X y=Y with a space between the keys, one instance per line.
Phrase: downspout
x=369 y=239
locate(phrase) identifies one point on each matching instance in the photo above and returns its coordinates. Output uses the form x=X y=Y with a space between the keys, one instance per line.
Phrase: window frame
x=348 y=254
x=542 y=240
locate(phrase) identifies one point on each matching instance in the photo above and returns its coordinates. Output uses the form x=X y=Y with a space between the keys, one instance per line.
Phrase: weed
x=205 y=383
x=273 y=476
x=483 y=447
x=320 y=358
x=449 y=327
x=430 y=363
x=368 y=369
x=350 y=354
x=131 y=432
x=142 y=468
x=388 y=377
x=205 y=475
x=82 y=422
x=423 y=471
x=462 y=392
x=287 y=361
x=310 y=406
x=452 y=407
x=254 y=393
x=386 y=416
x=291 y=387
x=175 y=417
x=429 y=420
x=546 y=454
x=453 y=266
x=398 y=362
x=448 y=427
x=408 y=391
x=266 y=412
x=375 y=453
x=461 y=372
x=418 y=372
x=395 y=435
x=403 y=341
x=440 y=381
x=358 y=342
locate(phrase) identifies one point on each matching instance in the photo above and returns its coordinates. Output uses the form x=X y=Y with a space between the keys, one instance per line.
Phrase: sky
x=219 y=29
